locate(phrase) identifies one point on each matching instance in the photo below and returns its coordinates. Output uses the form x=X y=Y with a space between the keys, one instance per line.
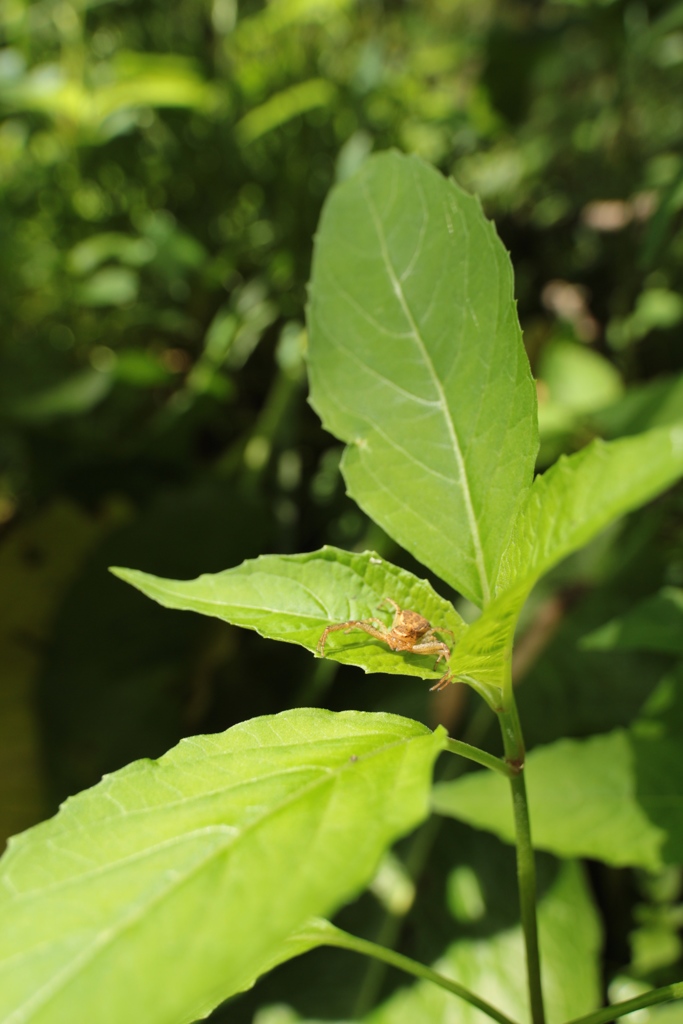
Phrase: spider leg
x=331 y=629
x=433 y=630
x=397 y=610
x=442 y=683
x=365 y=624
x=432 y=647
x=442 y=652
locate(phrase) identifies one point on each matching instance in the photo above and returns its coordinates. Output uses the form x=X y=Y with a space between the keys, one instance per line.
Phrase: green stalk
x=479 y=756
x=651 y=998
x=513 y=743
x=343 y=940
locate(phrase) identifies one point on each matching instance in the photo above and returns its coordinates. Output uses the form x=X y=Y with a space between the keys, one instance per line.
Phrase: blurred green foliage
x=162 y=170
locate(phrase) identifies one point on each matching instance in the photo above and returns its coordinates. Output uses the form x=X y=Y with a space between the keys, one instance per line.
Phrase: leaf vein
x=479 y=560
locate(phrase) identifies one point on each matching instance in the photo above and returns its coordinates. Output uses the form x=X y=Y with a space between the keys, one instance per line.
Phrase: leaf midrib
x=457 y=451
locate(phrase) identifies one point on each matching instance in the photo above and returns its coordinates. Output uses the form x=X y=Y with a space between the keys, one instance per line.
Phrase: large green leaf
x=416 y=361
x=583 y=493
x=293 y=598
x=616 y=797
x=566 y=507
x=174 y=883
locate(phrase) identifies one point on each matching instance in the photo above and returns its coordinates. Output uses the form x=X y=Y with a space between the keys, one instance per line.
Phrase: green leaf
x=658 y=774
x=173 y=883
x=582 y=494
x=128 y=82
x=655 y=624
x=417 y=363
x=611 y=797
x=578 y=379
x=73 y=396
x=574 y=382
x=90 y=253
x=283 y=106
x=293 y=598
x=566 y=507
x=494 y=966
x=483 y=656
x=110 y=286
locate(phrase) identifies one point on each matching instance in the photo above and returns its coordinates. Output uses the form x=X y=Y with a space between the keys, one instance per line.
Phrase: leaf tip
x=131 y=576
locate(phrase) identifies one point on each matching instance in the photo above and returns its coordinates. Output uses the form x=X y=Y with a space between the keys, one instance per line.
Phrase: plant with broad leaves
x=174 y=884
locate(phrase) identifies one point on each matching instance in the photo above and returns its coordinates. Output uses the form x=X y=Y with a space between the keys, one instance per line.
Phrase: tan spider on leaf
x=409 y=632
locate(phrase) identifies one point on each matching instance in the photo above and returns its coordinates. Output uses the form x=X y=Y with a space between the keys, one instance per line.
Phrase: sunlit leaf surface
x=173 y=883
x=583 y=493
x=416 y=361
x=294 y=597
x=565 y=508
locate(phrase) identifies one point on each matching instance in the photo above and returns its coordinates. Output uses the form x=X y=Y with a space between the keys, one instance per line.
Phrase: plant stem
x=513 y=743
x=480 y=756
x=651 y=998
x=344 y=940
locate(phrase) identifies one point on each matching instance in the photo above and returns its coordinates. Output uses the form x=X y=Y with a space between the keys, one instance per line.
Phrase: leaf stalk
x=657 y=995
x=344 y=940
x=482 y=757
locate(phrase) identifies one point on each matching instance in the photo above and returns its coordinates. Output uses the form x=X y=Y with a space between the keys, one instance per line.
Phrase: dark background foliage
x=162 y=170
